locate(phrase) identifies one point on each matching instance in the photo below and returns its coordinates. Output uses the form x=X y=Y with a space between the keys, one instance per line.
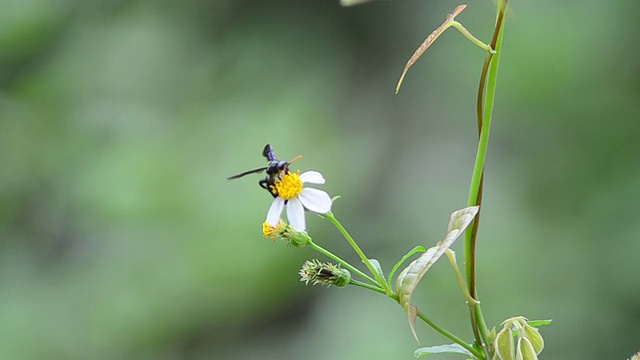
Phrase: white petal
x=273 y=216
x=312 y=177
x=295 y=213
x=315 y=200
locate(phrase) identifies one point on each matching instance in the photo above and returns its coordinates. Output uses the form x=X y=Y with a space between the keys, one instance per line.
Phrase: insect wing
x=254 y=171
x=268 y=153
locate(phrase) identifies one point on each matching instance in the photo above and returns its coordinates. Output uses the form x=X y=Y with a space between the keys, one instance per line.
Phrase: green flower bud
x=295 y=238
x=517 y=322
x=491 y=336
x=324 y=273
x=273 y=233
x=532 y=334
x=504 y=344
x=525 y=350
x=530 y=342
x=283 y=231
x=491 y=341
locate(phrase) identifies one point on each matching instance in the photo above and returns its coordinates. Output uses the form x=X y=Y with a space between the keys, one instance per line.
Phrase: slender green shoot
x=354 y=245
x=348 y=266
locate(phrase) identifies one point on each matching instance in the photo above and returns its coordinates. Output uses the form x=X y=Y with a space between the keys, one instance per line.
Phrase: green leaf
x=477 y=346
x=376 y=265
x=491 y=336
x=409 y=278
x=407 y=282
x=533 y=323
x=352 y=2
x=458 y=222
x=538 y=323
x=413 y=251
x=441 y=349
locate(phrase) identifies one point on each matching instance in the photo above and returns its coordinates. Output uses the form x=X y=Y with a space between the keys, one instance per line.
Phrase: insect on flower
x=288 y=191
x=275 y=170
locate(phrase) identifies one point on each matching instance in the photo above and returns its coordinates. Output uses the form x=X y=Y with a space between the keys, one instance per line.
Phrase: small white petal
x=295 y=213
x=315 y=200
x=312 y=177
x=273 y=216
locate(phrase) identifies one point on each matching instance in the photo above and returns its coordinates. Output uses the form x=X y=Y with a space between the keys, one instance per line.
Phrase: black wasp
x=275 y=170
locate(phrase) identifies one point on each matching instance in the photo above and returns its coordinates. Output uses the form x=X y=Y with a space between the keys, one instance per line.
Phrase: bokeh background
x=120 y=237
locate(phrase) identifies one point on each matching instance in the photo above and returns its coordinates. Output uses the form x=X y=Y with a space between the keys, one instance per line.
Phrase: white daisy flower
x=296 y=198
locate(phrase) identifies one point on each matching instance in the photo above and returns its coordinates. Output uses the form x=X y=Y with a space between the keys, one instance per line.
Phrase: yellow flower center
x=273 y=233
x=289 y=186
x=268 y=231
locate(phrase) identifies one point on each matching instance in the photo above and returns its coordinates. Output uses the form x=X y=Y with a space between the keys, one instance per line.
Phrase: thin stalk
x=367 y=286
x=456 y=270
x=488 y=78
x=357 y=249
x=471 y=302
x=469 y=36
x=451 y=336
x=330 y=255
x=381 y=281
x=484 y=111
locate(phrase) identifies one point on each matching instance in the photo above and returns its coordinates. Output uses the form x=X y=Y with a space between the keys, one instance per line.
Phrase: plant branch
x=380 y=280
x=485 y=102
x=351 y=268
x=367 y=286
x=456 y=270
x=451 y=336
x=463 y=30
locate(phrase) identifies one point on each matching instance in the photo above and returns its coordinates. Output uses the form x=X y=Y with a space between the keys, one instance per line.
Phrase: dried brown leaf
x=428 y=41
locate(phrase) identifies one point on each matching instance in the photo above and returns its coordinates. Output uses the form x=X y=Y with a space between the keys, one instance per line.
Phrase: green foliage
x=415 y=250
x=441 y=349
x=409 y=278
x=121 y=238
x=378 y=268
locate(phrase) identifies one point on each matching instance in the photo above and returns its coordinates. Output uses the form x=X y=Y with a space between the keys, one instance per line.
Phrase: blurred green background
x=120 y=237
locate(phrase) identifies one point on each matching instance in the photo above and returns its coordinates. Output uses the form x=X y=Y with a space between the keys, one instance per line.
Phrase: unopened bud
x=297 y=238
x=525 y=350
x=530 y=342
x=504 y=345
x=534 y=337
x=324 y=273
x=271 y=232
x=284 y=231
x=491 y=342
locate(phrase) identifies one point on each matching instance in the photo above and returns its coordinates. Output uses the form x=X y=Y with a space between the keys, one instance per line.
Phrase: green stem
x=451 y=336
x=471 y=302
x=426 y=320
x=456 y=270
x=482 y=325
x=367 y=286
x=378 y=289
x=330 y=255
x=470 y=36
x=485 y=112
x=357 y=249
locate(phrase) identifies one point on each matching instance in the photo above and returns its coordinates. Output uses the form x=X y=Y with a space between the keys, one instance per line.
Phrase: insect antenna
x=295 y=159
